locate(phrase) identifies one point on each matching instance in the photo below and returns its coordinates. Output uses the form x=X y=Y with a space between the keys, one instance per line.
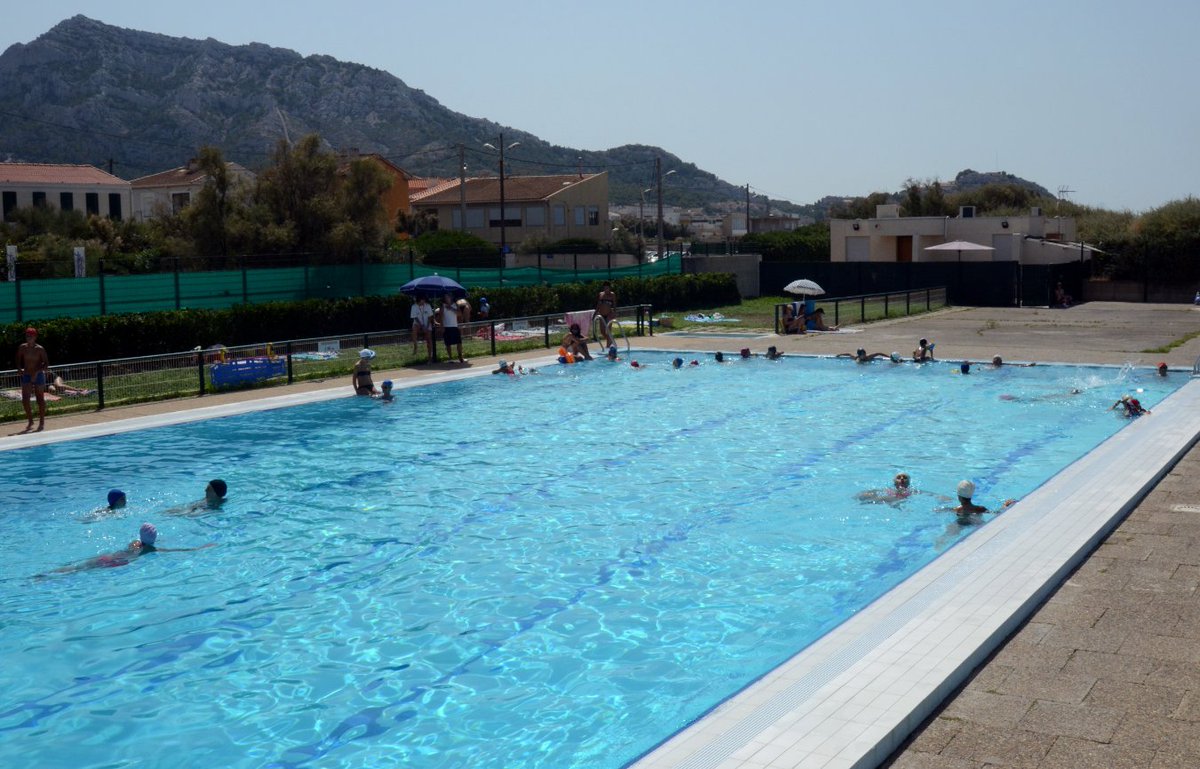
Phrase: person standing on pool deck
x=447 y=315
x=33 y=366
x=422 y=325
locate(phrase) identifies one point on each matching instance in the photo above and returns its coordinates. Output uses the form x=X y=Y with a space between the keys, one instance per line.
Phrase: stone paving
x=1107 y=672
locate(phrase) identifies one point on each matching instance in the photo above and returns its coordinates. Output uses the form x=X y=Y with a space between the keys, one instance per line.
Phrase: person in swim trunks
x=33 y=366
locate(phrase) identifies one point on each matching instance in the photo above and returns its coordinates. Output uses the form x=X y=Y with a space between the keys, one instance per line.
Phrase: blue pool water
x=554 y=571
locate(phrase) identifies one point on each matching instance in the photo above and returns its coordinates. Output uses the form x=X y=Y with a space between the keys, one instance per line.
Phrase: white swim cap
x=367 y=353
x=966 y=489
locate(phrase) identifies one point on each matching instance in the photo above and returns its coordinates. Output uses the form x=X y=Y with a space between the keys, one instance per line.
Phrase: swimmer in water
x=1133 y=407
x=145 y=543
x=900 y=490
x=385 y=392
x=967 y=513
x=116 y=501
x=998 y=362
x=860 y=355
x=214 y=497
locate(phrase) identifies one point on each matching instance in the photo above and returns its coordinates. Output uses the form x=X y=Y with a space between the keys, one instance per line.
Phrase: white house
x=1032 y=238
x=65 y=187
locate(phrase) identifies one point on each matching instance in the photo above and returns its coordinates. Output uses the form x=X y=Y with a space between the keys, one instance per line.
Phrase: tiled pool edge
x=849 y=700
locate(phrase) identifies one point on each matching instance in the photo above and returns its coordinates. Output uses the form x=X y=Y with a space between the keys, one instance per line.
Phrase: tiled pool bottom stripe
x=850 y=699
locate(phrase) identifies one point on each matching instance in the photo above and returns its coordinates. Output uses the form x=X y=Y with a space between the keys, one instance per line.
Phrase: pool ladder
x=613 y=327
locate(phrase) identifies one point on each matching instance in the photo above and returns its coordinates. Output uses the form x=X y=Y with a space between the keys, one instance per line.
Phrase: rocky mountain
x=139 y=103
x=88 y=92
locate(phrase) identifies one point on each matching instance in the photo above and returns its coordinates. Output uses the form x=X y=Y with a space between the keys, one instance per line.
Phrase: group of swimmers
x=966 y=512
x=215 y=492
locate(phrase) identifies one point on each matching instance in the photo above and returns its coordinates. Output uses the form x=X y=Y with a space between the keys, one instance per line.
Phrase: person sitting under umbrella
x=818 y=320
x=794 y=319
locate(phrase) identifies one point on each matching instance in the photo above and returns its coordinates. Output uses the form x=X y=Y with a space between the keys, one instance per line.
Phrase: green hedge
x=134 y=334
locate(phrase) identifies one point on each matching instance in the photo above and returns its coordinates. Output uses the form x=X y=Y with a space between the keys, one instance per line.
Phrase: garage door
x=858 y=249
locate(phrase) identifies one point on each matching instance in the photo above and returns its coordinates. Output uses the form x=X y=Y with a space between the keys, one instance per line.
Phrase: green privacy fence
x=23 y=300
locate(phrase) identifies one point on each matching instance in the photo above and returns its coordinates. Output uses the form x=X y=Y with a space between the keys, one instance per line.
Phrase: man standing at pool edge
x=33 y=366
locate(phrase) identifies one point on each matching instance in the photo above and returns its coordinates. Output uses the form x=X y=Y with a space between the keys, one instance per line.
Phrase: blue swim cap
x=114 y=496
x=387 y=383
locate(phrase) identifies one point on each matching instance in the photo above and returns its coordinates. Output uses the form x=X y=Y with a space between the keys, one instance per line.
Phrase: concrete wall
x=743 y=266
x=928 y=231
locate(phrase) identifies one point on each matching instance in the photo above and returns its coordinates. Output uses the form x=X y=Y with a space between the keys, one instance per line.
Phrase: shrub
x=134 y=334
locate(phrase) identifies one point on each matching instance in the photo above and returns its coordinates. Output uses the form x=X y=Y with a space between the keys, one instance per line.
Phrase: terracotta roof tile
x=517 y=189
x=51 y=173
x=182 y=176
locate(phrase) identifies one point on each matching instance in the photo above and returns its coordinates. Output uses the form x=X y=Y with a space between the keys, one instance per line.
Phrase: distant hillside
x=87 y=92
x=970 y=180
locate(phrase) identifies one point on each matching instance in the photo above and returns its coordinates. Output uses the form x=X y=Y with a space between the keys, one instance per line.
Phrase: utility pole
x=658 y=174
x=747 y=209
x=462 y=188
x=503 y=213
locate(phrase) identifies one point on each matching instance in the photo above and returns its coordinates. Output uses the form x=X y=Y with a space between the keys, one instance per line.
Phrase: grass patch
x=1172 y=345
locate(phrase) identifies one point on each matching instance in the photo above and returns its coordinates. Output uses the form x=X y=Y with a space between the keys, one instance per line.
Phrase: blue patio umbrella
x=432 y=287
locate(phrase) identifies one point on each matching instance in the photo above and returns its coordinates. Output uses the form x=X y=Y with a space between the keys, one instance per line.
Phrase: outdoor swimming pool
x=555 y=570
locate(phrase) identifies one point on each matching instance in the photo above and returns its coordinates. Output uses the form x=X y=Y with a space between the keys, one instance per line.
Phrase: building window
x=180 y=201
x=512 y=217
x=560 y=216
x=535 y=216
x=10 y=203
x=66 y=201
x=91 y=203
x=39 y=200
x=114 y=206
x=593 y=214
x=579 y=215
x=475 y=218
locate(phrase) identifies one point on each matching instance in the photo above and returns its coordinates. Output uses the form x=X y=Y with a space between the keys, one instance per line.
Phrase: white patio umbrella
x=959 y=246
x=803 y=287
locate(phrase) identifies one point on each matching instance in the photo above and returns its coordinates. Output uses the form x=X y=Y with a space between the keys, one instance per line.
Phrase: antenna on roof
x=1063 y=191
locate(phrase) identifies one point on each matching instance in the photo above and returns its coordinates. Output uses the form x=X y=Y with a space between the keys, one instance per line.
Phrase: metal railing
x=868 y=307
x=95 y=385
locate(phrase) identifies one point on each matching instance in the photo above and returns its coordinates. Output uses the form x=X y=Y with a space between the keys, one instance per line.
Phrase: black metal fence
x=94 y=385
x=868 y=307
x=978 y=284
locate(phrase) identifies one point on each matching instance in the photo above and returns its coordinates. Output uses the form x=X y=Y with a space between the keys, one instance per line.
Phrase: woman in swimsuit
x=361 y=379
x=606 y=308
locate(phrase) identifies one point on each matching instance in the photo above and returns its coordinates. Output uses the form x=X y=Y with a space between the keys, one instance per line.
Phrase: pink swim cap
x=148 y=534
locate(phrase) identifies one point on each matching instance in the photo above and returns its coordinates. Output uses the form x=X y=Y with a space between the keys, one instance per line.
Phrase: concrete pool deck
x=1105 y=673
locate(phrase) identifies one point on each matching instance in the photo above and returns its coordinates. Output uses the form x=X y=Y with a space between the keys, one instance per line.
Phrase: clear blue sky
x=798 y=99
